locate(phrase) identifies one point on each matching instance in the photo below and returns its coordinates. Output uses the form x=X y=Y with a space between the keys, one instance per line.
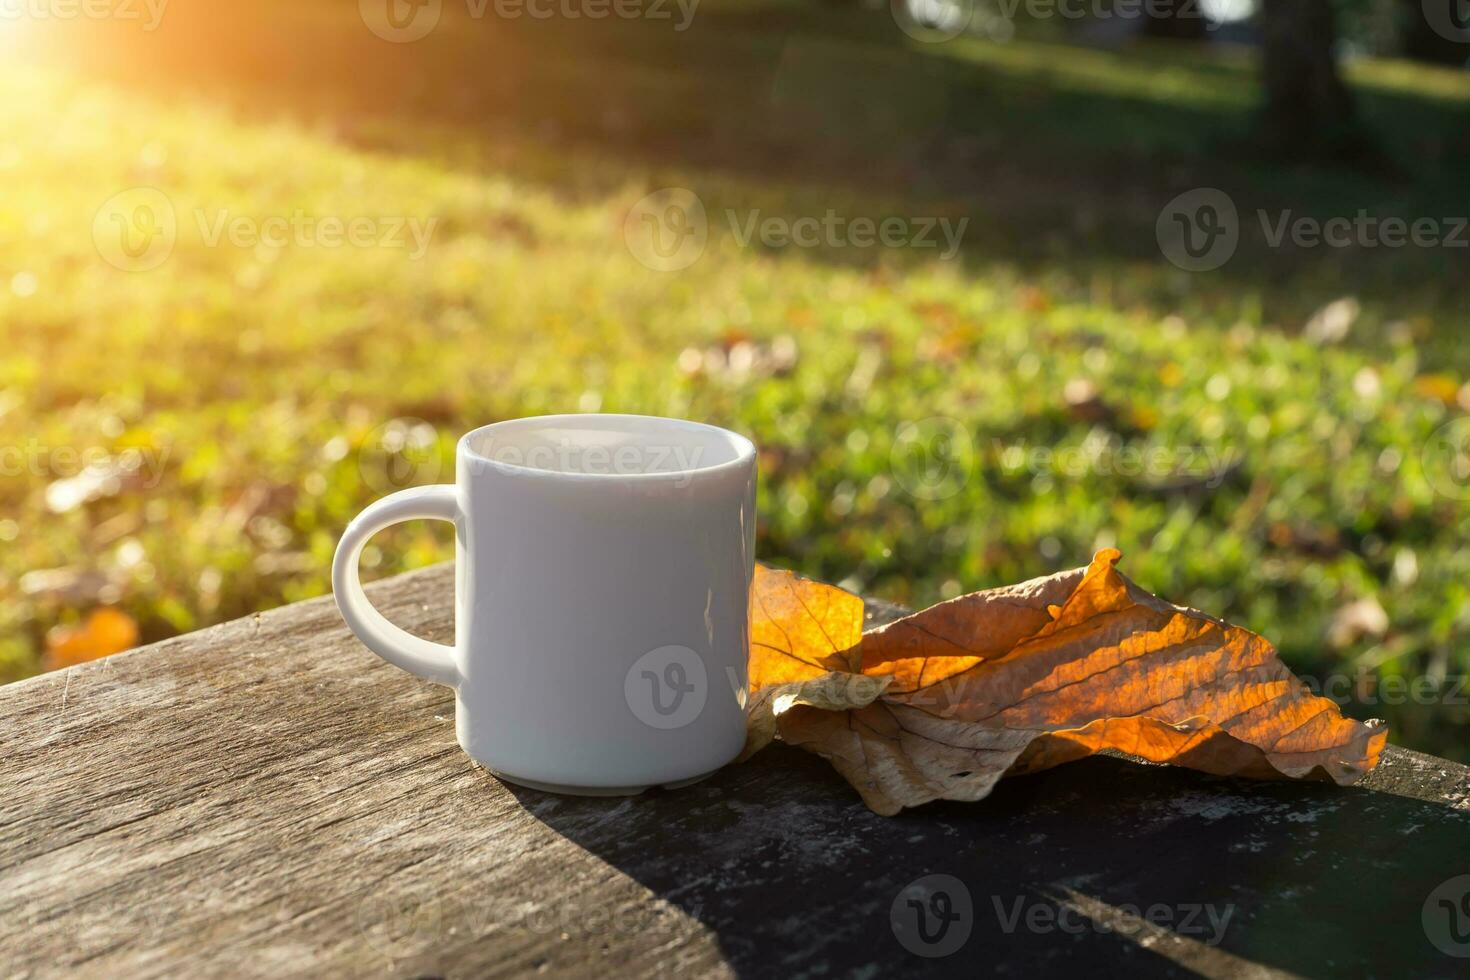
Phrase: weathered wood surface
x=267 y=798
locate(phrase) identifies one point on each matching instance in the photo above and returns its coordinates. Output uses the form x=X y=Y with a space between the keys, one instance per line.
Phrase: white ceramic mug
x=602 y=583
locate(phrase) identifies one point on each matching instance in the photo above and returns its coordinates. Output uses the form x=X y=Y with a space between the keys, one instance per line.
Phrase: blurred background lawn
x=183 y=444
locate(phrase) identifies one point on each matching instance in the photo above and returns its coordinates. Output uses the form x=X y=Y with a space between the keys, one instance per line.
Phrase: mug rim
x=745 y=451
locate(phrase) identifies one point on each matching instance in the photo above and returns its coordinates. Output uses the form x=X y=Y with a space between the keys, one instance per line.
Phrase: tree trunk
x=1308 y=110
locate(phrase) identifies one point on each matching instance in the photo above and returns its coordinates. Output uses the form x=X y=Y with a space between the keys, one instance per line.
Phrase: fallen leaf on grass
x=943 y=703
x=104 y=632
x=1438 y=387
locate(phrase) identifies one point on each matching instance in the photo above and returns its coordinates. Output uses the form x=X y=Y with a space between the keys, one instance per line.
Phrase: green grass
x=266 y=380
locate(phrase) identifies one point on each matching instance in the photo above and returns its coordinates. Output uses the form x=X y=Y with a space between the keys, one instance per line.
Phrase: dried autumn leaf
x=1023 y=678
x=804 y=638
x=104 y=632
x=800 y=629
x=951 y=637
x=831 y=694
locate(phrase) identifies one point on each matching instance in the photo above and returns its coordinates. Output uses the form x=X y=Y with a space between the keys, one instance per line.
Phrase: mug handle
x=431 y=661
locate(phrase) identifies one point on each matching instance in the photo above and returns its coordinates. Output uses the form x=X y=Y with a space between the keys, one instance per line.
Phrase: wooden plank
x=267 y=798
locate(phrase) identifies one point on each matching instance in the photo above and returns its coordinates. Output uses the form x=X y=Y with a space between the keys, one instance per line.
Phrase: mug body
x=603 y=582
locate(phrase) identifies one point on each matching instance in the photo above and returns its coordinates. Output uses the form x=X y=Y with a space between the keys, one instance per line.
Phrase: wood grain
x=267 y=798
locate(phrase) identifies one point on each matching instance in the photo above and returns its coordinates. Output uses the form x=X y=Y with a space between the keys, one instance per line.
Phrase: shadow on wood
x=1123 y=866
